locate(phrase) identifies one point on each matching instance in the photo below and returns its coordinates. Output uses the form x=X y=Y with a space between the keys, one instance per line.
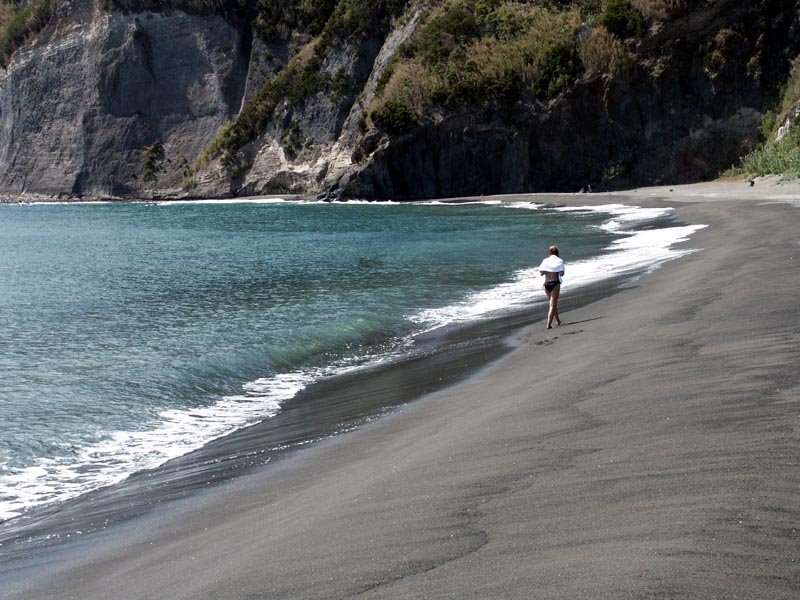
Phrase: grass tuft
x=18 y=22
x=622 y=19
x=604 y=53
x=778 y=156
x=654 y=10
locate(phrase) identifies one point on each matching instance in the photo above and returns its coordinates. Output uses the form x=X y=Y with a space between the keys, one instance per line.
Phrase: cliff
x=103 y=104
x=384 y=99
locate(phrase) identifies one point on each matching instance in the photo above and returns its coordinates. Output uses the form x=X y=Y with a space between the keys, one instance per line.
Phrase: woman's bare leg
x=554 y=300
x=552 y=313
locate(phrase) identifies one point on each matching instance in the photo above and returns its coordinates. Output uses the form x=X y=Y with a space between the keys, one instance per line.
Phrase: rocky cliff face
x=109 y=104
x=690 y=110
x=106 y=104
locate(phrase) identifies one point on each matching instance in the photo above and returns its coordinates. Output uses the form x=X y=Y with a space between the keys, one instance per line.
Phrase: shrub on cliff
x=621 y=18
x=660 y=9
x=780 y=153
x=153 y=161
x=279 y=18
x=393 y=117
x=233 y=10
x=561 y=66
x=18 y=22
x=604 y=53
x=444 y=34
x=476 y=51
x=780 y=157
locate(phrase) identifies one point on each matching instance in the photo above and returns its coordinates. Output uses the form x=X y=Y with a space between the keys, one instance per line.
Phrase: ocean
x=136 y=336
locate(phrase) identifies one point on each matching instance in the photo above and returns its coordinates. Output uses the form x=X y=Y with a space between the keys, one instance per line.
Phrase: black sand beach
x=648 y=448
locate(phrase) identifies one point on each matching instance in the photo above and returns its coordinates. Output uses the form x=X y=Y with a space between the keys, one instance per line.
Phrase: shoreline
x=441 y=358
x=743 y=187
x=608 y=459
x=455 y=336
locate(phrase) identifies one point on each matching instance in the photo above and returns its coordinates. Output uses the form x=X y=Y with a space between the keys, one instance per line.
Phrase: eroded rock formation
x=103 y=103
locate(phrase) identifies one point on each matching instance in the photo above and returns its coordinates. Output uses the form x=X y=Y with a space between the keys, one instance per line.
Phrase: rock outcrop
x=107 y=104
x=682 y=116
x=115 y=105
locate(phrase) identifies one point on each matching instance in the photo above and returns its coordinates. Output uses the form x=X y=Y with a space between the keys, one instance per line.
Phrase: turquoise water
x=135 y=333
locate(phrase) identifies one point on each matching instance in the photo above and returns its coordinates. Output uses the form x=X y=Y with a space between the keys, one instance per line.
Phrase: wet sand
x=648 y=448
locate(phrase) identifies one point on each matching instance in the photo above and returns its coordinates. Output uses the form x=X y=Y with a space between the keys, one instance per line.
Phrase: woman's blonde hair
x=553 y=250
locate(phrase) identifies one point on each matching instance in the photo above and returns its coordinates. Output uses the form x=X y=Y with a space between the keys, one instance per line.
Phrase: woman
x=552 y=268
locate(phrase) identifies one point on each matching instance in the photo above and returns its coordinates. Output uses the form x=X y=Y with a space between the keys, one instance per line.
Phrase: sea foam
x=639 y=249
x=121 y=453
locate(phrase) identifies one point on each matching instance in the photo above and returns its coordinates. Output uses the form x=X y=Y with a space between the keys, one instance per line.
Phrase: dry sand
x=647 y=449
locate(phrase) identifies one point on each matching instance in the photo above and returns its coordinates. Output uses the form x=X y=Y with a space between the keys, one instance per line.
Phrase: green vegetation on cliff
x=467 y=52
x=472 y=51
x=461 y=55
x=392 y=98
x=462 y=52
x=778 y=157
x=234 y=10
x=622 y=19
x=19 y=21
x=345 y=21
x=299 y=79
x=279 y=18
x=780 y=153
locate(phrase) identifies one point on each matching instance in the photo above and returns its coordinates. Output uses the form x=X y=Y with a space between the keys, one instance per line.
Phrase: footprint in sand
x=550 y=341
